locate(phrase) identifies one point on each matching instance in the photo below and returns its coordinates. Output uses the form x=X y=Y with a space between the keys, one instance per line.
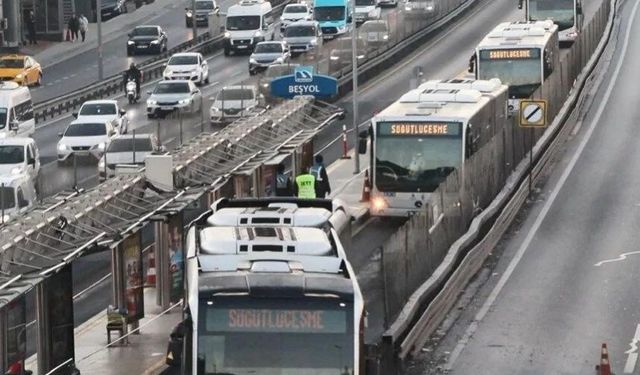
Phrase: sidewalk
x=145 y=353
x=48 y=53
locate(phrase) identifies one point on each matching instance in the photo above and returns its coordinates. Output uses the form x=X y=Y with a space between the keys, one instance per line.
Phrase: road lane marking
x=548 y=204
x=632 y=359
x=620 y=257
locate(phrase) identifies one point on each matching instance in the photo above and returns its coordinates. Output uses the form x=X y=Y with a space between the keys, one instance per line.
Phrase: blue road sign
x=303 y=81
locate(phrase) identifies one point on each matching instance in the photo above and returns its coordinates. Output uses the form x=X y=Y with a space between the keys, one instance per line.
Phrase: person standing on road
x=283 y=183
x=323 y=188
x=305 y=186
x=31 y=27
x=84 y=26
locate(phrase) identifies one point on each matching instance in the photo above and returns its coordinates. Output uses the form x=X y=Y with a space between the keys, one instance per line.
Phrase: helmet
x=132 y=66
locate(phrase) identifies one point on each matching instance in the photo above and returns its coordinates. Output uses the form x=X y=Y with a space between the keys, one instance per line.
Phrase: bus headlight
x=378 y=203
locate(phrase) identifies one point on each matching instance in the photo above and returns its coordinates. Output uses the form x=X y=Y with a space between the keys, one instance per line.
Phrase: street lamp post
x=99 y=24
x=354 y=96
x=194 y=23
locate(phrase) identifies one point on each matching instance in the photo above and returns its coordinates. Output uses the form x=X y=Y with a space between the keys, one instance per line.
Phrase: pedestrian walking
x=323 y=188
x=283 y=183
x=305 y=186
x=73 y=26
x=31 y=27
x=84 y=26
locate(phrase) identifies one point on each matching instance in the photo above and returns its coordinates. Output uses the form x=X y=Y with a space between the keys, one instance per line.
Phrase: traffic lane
x=59 y=79
x=573 y=288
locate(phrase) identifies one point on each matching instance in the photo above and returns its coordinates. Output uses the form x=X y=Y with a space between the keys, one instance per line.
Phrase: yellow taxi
x=20 y=69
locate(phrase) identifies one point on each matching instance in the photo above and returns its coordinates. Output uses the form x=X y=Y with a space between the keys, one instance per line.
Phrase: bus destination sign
x=419 y=128
x=510 y=54
x=282 y=321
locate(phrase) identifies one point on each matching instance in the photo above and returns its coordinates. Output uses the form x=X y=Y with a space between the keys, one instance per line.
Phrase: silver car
x=169 y=96
x=267 y=53
x=127 y=149
x=303 y=36
x=375 y=32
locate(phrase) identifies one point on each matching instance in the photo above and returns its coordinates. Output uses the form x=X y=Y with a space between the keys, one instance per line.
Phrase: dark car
x=146 y=39
x=112 y=8
x=204 y=8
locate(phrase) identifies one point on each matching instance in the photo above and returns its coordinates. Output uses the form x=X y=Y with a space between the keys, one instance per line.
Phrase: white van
x=17 y=195
x=248 y=23
x=16 y=111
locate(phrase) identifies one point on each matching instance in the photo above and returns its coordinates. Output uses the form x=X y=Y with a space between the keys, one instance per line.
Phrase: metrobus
x=429 y=132
x=521 y=54
x=567 y=14
x=269 y=290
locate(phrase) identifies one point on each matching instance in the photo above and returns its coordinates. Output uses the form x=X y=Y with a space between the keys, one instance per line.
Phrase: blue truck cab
x=334 y=17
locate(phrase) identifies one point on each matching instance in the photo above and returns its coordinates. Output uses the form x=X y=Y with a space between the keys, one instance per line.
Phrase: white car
x=127 y=149
x=19 y=155
x=367 y=10
x=234 y=102
x=17 y=196
x=293 y=13
x=85 y=139
x=169 y=96
x=190 y=66
x=103 y=111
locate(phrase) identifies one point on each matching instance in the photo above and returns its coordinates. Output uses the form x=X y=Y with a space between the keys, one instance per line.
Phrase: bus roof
x=444 y=100
x=519 y=34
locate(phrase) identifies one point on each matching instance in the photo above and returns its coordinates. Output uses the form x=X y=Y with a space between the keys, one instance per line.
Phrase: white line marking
x=620 y=257
x=547 y=206
x=632 y=359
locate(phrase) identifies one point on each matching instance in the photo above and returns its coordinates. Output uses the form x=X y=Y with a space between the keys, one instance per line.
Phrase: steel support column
x=163 y=279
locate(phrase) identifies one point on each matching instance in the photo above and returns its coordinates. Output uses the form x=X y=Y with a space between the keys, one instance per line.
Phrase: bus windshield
x=561 y=12
x=329 y=13
x=407 y=162
x=244 y=335
x=521 y=70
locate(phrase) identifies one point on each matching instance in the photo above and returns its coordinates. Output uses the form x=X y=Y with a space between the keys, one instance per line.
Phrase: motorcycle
x=132 y=94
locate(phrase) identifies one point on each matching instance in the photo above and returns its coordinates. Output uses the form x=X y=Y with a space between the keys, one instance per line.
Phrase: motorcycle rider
x=135 y=74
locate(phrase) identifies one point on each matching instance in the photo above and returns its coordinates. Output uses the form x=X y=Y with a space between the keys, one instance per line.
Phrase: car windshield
x=561 y=12
x=279 y=70
x=142 y=144
x=85 y=130
x=145 y=31
x=183 y=60
x=243 y=23
x=172 y=88
x=10 y=154
x=293 y=31
x=204 y=5
x=329 y=13
x=7 y=197
x=295 y=9
x=269 y=48
x=3 y=117
x=416 y=163
x=235 y=94
x=375 y=27
x=98 y=109
x=521 y=69
x=12 y=63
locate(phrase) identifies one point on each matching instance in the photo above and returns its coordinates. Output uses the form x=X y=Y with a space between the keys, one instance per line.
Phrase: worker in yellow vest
x=305 y=186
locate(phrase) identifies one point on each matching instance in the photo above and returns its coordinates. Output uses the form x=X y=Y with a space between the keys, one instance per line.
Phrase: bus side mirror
x=362 y=146
x=579 y=8
x=14 y=125
x=520 y=4
x=472 y=64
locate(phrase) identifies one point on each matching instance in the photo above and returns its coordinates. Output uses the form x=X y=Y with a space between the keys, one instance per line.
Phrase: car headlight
x=183 y=101
x=227 y=34
x=19 y=76
x=152 y=102
x=258 y=34
x=167 y=72
x=334 y=57
x=378 y=203
x=102 y=146
x=189 y=14
x=407 y=8
x=279 y=60
x=214 y=109
x=265 y=85
x=313 y=42
x=101 y=164
x=430 y=8
x=252 y=60
x=130 y=42
x=342 y=28
x=360 y=56
x=155 y=41
x=16 y=170
x=62 y=147
x=385 y=37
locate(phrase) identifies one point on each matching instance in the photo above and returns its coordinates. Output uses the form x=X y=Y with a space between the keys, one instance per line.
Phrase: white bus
x=567 y=14
x=520 y=54
x=429 y=132
x=265 y=296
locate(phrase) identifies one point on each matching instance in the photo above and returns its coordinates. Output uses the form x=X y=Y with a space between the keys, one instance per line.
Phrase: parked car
x=20 y=155
x=191 y=66
x=375 y=32
x=147 y=39
x=85 y=139
x=293 y=13
x=127 y=149
x=203 y=9
x=272 y=72
x=234 y=102
x=340 y=57
x=169 y=96
x=267 y=53
x=104 y=110
x=22 y=69
x=303 y=37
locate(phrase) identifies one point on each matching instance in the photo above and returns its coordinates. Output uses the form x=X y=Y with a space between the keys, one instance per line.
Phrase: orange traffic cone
x=366 y=188
x=604 y=368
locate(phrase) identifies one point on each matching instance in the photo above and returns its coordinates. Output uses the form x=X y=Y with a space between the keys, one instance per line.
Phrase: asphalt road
x=573 y=263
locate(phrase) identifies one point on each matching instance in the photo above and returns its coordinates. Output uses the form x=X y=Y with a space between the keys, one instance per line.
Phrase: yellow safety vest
x=306 y=186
